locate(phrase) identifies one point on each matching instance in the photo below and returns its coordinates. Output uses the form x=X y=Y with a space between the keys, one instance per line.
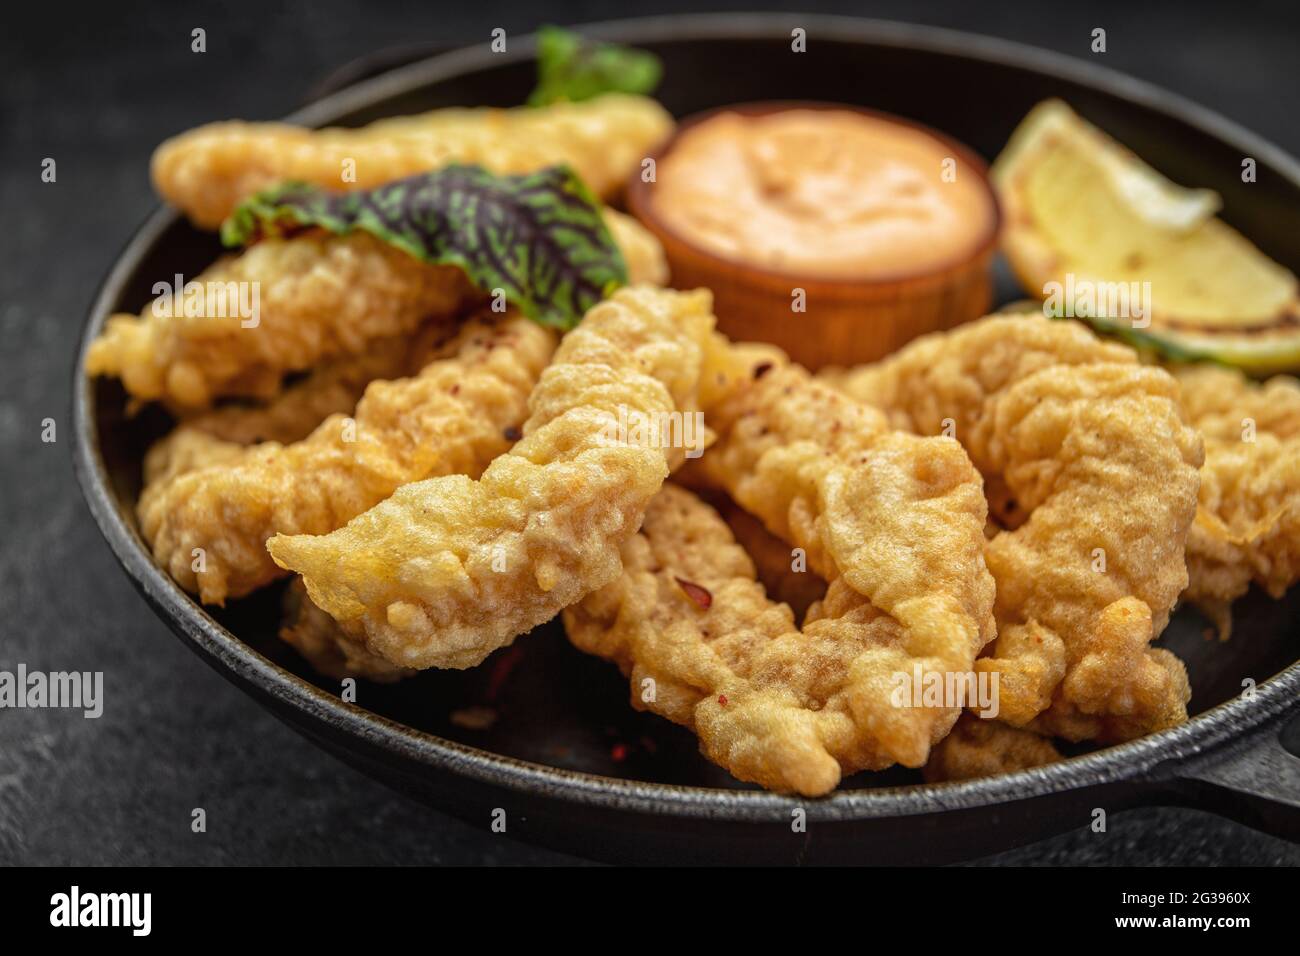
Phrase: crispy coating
x=317 y=637
x=1248 y=521
x=186 y=450
x=453 y=418
x=1219 y=401
x=207 y=171
x=894 y=521
x=1097 y=478
x=704 y=647
x=292 y=415
x=447 y=570
x=319 y=296
x=647 y=263
x=986 y=748
x=334 y=388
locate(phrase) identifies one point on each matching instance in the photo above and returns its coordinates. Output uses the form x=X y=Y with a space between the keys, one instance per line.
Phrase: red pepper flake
x=699 y=595
x=513 y=433
x=619 y=752
x=722 y=699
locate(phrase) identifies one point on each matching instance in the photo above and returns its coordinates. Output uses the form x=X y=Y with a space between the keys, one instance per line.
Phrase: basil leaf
x=572 y=68
x=539 y=237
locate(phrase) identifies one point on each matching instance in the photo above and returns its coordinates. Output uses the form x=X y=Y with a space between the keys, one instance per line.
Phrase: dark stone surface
x=96 y=89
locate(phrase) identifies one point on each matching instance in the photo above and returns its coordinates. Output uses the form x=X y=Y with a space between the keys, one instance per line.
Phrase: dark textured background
x=96 y=89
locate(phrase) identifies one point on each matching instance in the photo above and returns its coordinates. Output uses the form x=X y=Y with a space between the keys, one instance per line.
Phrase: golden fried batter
x=447 y=570
x=1100 y=478
x=185 y=450
x=1225 y=405
x=705 y=647
x=647 y=263
x=333 y=388
x=985 y=748
x=453 y=418
x=319 y=639
x=319 y=296
x=895 y=520
x=337 y=385
x=207 y=171
x=1248 y=520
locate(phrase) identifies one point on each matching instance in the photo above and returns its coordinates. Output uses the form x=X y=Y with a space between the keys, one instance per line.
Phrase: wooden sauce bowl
x=847 y=321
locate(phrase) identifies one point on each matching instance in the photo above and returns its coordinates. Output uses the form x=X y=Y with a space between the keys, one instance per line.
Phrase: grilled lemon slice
x=1083 y=214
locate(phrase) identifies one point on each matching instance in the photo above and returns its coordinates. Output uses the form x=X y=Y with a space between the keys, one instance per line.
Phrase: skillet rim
x=363 y=729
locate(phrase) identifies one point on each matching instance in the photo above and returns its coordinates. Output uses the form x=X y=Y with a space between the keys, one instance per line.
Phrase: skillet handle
x=1255 y=781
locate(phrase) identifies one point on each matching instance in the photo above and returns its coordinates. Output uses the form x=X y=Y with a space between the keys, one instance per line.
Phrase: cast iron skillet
x=569 y=762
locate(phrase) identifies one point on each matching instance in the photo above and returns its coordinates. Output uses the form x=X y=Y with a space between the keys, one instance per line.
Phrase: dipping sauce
x=824 y=193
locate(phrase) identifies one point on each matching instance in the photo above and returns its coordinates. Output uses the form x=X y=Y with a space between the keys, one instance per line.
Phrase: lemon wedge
x=1100 y=235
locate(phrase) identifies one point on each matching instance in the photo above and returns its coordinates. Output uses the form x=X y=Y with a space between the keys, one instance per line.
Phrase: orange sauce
x=831 y=194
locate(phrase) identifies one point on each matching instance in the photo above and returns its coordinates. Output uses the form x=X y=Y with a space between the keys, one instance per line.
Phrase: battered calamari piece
x=704 y=647
x=894 y=521
x=647 y=263
x=453 y=418
x=1095 y=471
x=207 y=171
x=320 y=297
x=986 y=748
x=186 y=450
x=446 y=571
x=336 y=386
x=333 y=388
x=1248 y=523
x=1223 y=403
x=318 y=638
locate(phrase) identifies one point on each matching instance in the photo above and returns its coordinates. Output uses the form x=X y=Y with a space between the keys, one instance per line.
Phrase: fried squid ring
x=1248 y=521
x=895 y=522
x=207 y=171
x=320 y=297
x=1094 y=472
x=454 y=417
x=447 y=570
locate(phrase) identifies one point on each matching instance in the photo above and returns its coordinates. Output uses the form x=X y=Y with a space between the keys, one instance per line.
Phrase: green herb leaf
x=572 y=68
x=539 y=237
